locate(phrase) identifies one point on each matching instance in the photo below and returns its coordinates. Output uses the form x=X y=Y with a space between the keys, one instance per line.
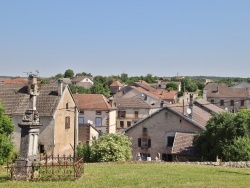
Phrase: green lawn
x=147 y=175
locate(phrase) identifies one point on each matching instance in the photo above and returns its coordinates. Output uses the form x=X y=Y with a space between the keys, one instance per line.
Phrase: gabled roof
x=200 y=117
x=16 y=99
x=144 y=85
x=64 y=80
x=245 y=85
x=116 y=84
x=183 y=144
x=141 y=90
x=125 y=103
x=86 y=85
x=92 y=102
x=214 y=86
x=227 y=92
x=166 y=95
x=14 y=81
x=208 y=106
x=80 y=78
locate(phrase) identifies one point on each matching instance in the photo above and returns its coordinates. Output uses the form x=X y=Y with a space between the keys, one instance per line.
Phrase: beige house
x=169 y=133
x=57 y=110
x=83 y=81
x=129 y=111
x=227 y=98
x=96 y=111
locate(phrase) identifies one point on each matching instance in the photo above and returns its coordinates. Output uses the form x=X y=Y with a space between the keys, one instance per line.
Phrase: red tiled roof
x=166 y=95
x=116 y=84
x=144 y=85
x=14 y=80
x=92 y=102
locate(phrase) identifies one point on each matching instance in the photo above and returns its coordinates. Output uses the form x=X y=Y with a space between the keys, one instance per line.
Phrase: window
x=212 y=101
x=242 y=103
x=81 y=120
x=136 y=114
x=98 y=121
x=81 y=112
x=121 y=114
x=67 y=105
x=170 y=141
x=232 y=102
x=67 y=122
x=98 y=113
x=222 y=102
x=122 y=124
x=128 y=123
x=144 y=143
x=144 y=130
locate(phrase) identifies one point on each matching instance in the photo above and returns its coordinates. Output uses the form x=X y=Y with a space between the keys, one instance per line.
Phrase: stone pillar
x=29 y=137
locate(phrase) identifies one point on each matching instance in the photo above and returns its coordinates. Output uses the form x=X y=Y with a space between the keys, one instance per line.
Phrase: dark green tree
x=124 y=77
x=69 y=73
x=172 y=86
x=222 y=132
x=6 y=129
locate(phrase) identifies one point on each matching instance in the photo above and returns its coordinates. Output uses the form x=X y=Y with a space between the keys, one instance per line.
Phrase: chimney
x=162 y=103
x=60 y=87
x=191 y=103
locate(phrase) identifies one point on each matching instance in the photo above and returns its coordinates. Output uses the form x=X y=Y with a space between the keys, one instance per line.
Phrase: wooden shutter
x=139 y=142
x=124 y=114
x=149 y=143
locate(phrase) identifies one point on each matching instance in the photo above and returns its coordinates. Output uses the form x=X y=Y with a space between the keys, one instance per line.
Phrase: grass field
x=147 y=175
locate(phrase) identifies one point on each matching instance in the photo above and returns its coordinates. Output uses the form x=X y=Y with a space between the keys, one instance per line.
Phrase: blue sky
x=163 y=38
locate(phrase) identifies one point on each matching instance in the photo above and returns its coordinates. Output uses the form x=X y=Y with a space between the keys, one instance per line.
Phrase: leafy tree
x=99 y=88
x=223 y=133
x=238 y=79
x=6 y=129
x=124 y=77
x=188 y=85
x=172 y=86
x=69 y=73
x=149 y=78
x=248 y=79
x=78 y=89
x=111 y=147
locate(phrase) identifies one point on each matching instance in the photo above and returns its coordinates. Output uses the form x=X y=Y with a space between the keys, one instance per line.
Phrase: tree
x=223 y=133
x=248 y=79
x=6 y=129
x=99 y=88
x=124 y=77
x=111 y=147
x=172 y=86
x=69 y=73
x=188 y=85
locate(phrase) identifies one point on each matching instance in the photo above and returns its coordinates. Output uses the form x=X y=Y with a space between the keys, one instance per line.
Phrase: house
x=245 y=85
x=143 y=85
x=129 y=111
x=230 y=99
x=169 y=132
x=206 y=80
x=57 y=111
x=115 y=87
x=83 y=81
x=95 y=110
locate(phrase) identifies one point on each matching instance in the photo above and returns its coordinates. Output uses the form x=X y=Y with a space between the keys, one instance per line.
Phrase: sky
x=137 y=37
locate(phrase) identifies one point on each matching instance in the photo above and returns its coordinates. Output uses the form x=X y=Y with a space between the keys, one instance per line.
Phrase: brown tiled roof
x=16 y=100
x=166 y=95
x=123 y=103
x=227 y=92
x=92 y=102
x=14 y=80
x=144 y=85
x=86 y=85
x=80 y=78
x=116 y=84
x=214 y=86
x=199 y=115
x=151 y=94
x=210 y=107
x=183 y=144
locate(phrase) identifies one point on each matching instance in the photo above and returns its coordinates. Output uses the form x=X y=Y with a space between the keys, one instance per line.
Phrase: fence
x=49 y=168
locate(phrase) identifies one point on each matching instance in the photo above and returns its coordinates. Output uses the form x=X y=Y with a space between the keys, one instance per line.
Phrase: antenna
x=28 y=73
x=37 y=72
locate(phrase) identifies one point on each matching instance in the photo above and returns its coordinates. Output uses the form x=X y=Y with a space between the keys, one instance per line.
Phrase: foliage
x=69 y=73
x=188 y=85
x=85 y=151
x=43 y=80
x=79 y=89
x=239 y=150
x=172 y=86
x=227 y=81
x=248 y=79
x=6 y=129
x=107 y=148
x=224 y=132
x=99 y=88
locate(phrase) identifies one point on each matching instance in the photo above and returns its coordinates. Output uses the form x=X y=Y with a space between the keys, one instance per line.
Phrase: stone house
x=57 y=111
x=95 y=110
x=83 y=81
x=168 y=132
x=129 y=111
x=230 y=99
